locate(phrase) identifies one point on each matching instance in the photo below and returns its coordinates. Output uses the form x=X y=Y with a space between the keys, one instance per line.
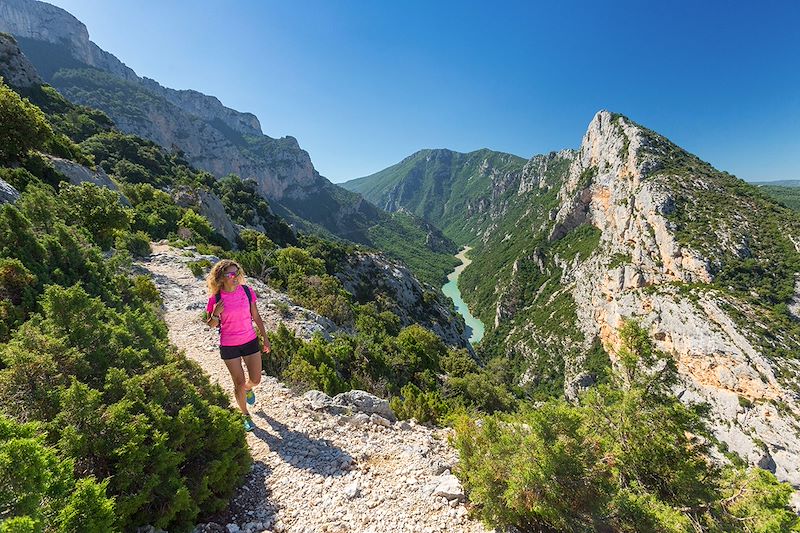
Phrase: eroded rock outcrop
x=8 y=194
x=15 y=69
x=641 y=270
x=372 y=277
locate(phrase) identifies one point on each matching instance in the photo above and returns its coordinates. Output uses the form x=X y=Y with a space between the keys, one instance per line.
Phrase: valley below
x=451 y=290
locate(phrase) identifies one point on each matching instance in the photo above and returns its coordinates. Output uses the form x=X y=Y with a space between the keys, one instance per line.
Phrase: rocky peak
x=15 y=69
x=623 y=184
x=607 y=186
x=207 y=107
x=51 y=24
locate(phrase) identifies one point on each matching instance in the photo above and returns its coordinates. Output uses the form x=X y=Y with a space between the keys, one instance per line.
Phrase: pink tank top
x=236 y=324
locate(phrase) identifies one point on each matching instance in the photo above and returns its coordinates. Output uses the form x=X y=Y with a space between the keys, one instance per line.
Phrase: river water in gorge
x=474 y=326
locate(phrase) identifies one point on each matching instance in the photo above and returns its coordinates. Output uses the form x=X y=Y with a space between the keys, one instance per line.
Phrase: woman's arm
x=260 y=325
x=213 y=319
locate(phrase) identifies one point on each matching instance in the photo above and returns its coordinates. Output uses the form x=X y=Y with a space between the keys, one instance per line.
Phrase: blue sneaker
x=250 y=397
x=248 y=424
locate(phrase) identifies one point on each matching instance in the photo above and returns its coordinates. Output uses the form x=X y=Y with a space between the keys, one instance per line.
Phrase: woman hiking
x=232 y=308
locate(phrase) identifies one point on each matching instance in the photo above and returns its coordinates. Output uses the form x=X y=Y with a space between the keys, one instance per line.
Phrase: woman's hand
x=267 y=347
x=218 y=309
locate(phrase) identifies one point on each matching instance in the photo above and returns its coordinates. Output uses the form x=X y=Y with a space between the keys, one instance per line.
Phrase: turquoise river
x=474 y=326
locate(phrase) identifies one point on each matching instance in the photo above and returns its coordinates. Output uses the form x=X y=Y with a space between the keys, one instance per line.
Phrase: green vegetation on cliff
x=628 y=456
x=440 y=186
x=319 y=206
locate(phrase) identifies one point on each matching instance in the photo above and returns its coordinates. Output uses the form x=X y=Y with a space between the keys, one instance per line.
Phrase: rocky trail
x=314 y=470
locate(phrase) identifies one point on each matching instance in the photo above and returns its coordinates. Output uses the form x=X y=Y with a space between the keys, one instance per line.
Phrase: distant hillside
x=441 y=186
x=779 y=183
x=214 y=138
x=786 y=192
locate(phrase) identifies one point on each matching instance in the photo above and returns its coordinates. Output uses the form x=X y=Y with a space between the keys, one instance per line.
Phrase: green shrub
x=293 y=260
x=629 y=457
x=97 y=209
x=479 y=390
x=23 y=126
x=146 y=290
x=424 y=407
x=315 y=365
x=154 y=211
x=457 y=362
x=136 y=243
x=284 y=345
x=200 y=268
x=19 y=177
x=283 y=309
x=323 y=294
x=17 y=295
x=199 y=227
x=39 y=493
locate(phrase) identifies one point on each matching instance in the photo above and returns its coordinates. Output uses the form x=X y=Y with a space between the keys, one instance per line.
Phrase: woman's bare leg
x=253 y=363
x=239 y=382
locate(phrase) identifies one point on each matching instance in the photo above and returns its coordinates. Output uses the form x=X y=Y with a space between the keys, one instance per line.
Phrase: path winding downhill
x=313 y=471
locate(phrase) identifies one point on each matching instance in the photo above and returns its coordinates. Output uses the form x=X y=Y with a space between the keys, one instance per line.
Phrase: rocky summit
x=650 y=265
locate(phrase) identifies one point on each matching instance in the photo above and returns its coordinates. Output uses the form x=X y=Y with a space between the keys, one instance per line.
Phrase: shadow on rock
x=316 y=455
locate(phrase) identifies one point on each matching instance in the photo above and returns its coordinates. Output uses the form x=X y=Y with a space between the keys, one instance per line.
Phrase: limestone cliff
x=15 y=69
x=651 y=265
x=638 y=228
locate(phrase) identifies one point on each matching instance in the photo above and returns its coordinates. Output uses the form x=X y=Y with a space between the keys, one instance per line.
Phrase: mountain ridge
x=632 y=226
x=212 y=137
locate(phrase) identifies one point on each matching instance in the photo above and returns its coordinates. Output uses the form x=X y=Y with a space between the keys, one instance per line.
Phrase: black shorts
x=232 y=352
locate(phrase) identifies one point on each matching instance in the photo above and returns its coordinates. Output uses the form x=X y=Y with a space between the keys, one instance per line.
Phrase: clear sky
x=362 y=84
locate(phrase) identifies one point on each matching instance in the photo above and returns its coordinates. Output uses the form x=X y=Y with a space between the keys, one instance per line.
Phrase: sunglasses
x=232 y=274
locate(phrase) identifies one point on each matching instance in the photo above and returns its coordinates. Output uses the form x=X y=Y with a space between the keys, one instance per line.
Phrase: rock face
x=15 y=69
x=78 y=174
x=372 y=277
x=358 y=401
x=210 y=206
x=8 y=194
x=48 y=23
x=631 y=201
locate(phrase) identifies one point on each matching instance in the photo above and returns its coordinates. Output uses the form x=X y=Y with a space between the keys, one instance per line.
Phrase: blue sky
x=364 y=84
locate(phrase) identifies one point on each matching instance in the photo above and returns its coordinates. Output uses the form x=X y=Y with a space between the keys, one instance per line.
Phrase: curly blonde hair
x=216 y=277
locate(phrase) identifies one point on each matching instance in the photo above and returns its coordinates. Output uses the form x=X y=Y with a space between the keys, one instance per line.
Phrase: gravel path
x=314 y=471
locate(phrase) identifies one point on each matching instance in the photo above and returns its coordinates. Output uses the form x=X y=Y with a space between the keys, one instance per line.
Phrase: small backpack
x=218 y=297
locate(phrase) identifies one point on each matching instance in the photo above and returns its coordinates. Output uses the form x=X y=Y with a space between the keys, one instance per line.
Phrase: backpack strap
x=249 y=298
x=218 y=297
